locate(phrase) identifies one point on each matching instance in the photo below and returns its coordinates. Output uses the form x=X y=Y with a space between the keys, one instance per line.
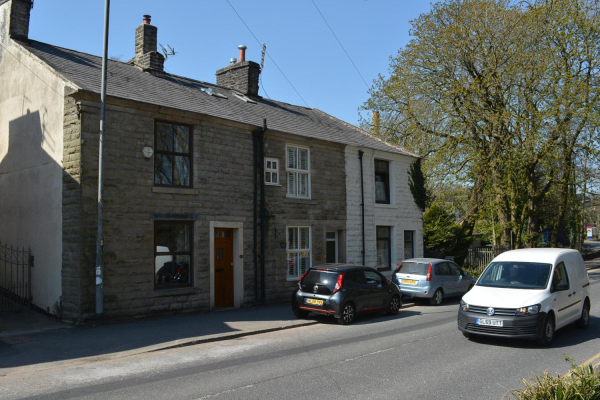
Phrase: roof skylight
x=244 y=98
x=211 y=91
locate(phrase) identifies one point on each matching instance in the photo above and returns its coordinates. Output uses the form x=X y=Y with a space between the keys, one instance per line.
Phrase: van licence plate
x=316 y=302
x=489 y=322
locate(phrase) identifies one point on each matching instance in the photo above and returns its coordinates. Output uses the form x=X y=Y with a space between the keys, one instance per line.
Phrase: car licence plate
x=409 y=281
x=316 y=302
x=489 y=322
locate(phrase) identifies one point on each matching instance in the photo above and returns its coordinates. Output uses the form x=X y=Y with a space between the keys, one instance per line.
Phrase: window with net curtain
x=298 y=251
x=298 y=172
x=382 y=182
x=173 y=155
x=384 y=247
x=409 y=244
x=172 y=254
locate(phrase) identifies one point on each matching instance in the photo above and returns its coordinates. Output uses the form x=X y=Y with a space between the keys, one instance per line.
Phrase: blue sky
x=205 y=35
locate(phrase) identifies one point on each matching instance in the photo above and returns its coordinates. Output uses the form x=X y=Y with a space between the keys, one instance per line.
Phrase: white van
x=528 y=293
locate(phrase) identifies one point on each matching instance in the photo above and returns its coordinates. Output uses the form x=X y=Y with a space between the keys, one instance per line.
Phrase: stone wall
x=222 y=191
x=326 y=209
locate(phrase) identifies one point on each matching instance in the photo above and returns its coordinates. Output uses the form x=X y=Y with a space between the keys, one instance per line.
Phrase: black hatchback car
x=343 y=290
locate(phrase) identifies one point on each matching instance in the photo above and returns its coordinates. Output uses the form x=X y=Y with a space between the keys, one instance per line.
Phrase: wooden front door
x=223 y=267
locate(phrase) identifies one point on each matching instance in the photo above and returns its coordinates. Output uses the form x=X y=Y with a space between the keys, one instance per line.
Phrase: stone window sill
x=176 y=291
x=174 y=190
x=389 y=206
x=291 y=200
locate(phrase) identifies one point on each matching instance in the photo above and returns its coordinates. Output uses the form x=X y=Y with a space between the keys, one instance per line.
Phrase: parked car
x=528 y=293
x=432 y=278
x=342 y=291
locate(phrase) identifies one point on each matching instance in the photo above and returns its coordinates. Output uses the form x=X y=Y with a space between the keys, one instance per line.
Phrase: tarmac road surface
x=417 y=354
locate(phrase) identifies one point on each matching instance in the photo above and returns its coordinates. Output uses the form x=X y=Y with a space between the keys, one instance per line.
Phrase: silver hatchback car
x=432 y=278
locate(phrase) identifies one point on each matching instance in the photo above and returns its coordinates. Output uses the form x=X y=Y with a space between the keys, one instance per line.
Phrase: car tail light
x=338 y=284
x=429 y=273
x=300 y=281
x=398 y=267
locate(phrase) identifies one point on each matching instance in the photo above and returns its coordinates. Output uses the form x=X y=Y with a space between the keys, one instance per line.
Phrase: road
x=417 y=354
x=591 y=246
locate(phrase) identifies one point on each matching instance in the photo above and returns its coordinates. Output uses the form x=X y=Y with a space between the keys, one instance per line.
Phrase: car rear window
x=322 y=278
x=413 y=268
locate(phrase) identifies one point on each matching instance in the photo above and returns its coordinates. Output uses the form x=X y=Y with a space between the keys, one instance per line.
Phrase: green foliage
x=583 y=383
x=442 y=234
x=474 y=272
x=416 y=183
x=501 y=97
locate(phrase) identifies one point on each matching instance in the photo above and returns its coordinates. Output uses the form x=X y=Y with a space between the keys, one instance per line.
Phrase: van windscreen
x=413 y=268
x=516 y=275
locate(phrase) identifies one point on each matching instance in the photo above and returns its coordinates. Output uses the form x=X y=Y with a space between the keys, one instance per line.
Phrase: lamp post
x=99 y=239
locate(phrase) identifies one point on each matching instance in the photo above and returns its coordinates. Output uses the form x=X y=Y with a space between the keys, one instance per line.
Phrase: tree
x=416 y=183
x=496 y=95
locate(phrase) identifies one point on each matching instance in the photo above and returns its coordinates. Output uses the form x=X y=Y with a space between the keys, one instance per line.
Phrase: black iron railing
x=15 y=277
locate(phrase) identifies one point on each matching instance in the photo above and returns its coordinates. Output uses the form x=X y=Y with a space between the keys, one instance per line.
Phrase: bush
x=582 y=383
x=474 y=272
x=443 y=235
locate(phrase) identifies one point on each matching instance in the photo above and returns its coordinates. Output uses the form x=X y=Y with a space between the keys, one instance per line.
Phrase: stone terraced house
x=203 y=207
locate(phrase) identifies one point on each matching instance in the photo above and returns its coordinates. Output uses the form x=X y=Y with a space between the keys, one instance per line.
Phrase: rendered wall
x=402 y=214
x=31 y=151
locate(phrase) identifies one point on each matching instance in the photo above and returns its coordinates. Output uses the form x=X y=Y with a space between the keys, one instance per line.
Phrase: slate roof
x=128 y=82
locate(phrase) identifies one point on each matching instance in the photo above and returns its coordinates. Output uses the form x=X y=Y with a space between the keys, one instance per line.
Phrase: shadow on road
x=138 y=335
x=568 y=336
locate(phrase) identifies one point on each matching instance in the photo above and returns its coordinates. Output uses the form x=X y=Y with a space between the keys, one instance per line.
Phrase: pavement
x=29 y=338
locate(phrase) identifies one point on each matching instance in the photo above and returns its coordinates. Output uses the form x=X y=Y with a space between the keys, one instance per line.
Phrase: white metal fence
x=479 y=257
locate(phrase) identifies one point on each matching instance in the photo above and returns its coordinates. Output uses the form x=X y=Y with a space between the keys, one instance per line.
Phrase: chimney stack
x=376 y=122
x=241 y=75
x=146 y=56
x=20 y=11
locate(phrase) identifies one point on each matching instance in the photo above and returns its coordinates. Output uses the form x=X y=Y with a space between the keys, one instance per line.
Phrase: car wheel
x=395 y=304
x=347 y=315
x=300 y=313
x=547 y=334
x=584 y=320
x=436 y=300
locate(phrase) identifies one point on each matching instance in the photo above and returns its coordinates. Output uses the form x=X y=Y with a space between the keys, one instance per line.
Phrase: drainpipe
x=362 y=204
x=99 y=239
x=262 y=211
x=254 y=253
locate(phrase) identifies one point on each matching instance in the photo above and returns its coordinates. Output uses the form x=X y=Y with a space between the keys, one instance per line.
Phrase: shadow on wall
x=31 y=182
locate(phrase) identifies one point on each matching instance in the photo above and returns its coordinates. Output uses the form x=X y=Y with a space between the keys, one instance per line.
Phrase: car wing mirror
x=561 y=287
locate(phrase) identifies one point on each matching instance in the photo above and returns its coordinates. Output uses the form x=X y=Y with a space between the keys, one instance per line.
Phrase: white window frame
x=296 y=172
x=273 y=171
x=335 y=239
x=299 y=250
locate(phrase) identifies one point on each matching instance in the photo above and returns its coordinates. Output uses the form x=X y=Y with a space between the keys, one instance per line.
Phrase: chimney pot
x=242 y=52
x=147 y=19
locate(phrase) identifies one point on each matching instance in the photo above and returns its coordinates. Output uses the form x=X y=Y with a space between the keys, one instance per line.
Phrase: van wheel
x=547 y=334
x=437 y=298
x=347 y=315
x=584 y=320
